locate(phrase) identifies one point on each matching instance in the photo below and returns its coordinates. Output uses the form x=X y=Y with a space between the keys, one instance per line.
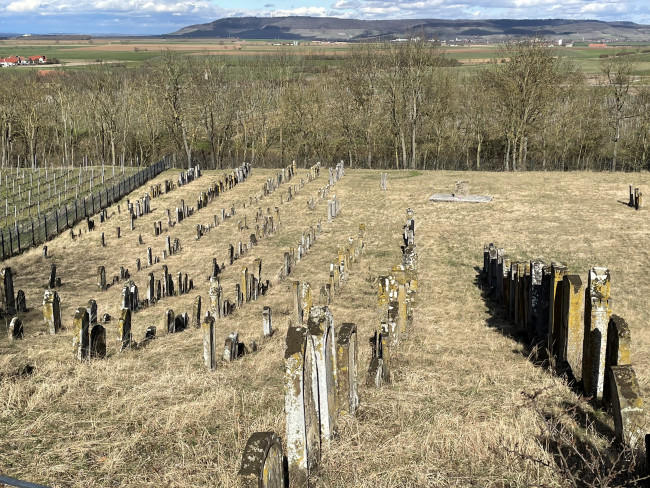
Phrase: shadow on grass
x=578 y=454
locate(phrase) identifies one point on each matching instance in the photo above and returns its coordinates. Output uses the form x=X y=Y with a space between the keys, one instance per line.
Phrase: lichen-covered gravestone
x=627 y=405
x=262 y=462
x=124 y=328
x=81 y=335
x=320 y=327
x=197 y=312
x=101 y=281
x=597 y=313
x=347 y=357
x=571 y=327
x=52 y=311
x=169 y=321
x=301 y=406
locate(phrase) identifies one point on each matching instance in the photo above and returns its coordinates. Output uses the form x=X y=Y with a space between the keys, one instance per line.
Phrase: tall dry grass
x=454 y=415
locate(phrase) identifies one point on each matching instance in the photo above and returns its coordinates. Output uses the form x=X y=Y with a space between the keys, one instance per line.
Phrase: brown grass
x=454 y=416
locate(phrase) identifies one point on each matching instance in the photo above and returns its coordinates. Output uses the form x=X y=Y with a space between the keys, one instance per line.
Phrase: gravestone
x=179 y=323
x=627 y=405
x=101 y=282
x=231 y=347
x=297 y=303
x=263 y=462
x=16 y=329
x=7 y=291
x=301 y=406
x=597 y=313
x=555 y=305
x=124 y=330
x=92 y=311
x=52 y=311
x=169 y=321
x=618 y=350
x=379 y=370
x=21 y=303
x=52 y=281
x=81 y=335
x=347 y=358
x=320 y=327
x=197 y=312
x=209 y=343
x=97 y=342
x=267 y=324
x=571 y=331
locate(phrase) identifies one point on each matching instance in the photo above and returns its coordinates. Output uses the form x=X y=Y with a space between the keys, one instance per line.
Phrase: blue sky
x=164 y=16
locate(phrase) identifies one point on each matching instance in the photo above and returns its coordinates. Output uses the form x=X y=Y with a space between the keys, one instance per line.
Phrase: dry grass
x=454 y=416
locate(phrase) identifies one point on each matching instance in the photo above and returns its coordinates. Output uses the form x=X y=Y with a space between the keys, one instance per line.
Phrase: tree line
x=399 y=105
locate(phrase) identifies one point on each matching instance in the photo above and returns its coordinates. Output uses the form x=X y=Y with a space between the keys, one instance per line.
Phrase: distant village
x=20 y=60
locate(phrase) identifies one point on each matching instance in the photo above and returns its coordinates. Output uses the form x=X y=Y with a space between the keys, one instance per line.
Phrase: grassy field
x=456 y=413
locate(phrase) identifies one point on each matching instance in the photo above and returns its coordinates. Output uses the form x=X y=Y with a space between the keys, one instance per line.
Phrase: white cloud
x=23 y=6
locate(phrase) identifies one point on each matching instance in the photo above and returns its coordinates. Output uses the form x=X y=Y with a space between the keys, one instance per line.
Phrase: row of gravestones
x=395 y=303
x=321 y=378
x=636 y=198
x=576 y=326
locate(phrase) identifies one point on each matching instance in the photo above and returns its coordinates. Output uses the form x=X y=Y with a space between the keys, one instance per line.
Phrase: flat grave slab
x=450 y=197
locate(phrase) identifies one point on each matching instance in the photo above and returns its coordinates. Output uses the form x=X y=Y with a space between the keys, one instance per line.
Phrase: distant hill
x=334 y=29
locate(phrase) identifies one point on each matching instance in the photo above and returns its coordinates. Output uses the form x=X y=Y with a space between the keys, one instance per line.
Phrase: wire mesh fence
x=46 y=225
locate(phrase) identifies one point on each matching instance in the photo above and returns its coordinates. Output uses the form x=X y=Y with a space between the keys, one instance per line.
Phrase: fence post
x=67 y=224
x=76 y=216
x=2 y=237
x=11 y=244
x=33 y=235
x=56 y=218
x=45 y=217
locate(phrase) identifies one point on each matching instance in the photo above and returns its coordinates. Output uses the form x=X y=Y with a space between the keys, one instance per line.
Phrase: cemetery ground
x=468 y=404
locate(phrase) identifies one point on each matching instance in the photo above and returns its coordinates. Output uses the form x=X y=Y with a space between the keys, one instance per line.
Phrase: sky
x=153 y=17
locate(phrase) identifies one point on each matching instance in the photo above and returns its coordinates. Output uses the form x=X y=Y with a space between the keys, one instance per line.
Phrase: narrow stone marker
x=347 y=358
x=378 y=371
x=52 y=281
x=52 y=311
x=231 y=347
x=21 y=305
x=209 y=343
x=124 y=329
x=81 y=335
x=101 y=281
x=169 y=321
x=16 y=329
x=267 y=324
x=263 y=462
x=320 y=327
x=7 y=291
x=92 y=311
x=197 y=312
x=555 y=303
x=597 y=312
x=301 y=406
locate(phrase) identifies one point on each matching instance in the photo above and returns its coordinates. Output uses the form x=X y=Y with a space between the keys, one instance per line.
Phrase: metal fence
x=47 y=225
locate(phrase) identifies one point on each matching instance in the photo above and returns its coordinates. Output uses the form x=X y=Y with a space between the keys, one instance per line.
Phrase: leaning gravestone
x=301 y=406
x=262 y=462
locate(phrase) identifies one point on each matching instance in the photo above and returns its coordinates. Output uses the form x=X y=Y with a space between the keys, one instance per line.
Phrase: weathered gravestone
x=16 y=329
x=52 y=311
x=7 y=291
x=169 y=321
x=232 y=349
x=347 y=358
x=555 y=303
x=52 y=281
x=209 y=343
x=627 y=405
x=21 y=305
x=124 y=330
x=101 y=282
x=263 y=462
x=301 y=406
x=92 y=311
x=267 y=322
x=618 y=351
x=379 y=371
x=97 y=341
x=597 y=313
x=197 y=312
x=571 y=327
x=320 y=327
x=81 y=335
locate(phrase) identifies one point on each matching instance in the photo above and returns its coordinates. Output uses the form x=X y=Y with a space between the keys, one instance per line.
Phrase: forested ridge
x=395 y=105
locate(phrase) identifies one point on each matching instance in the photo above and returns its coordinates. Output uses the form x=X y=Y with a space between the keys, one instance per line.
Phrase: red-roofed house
x=37 y=59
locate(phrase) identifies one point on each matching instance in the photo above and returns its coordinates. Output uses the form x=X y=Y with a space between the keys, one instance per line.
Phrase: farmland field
x=458 y=411
x=134 y=51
